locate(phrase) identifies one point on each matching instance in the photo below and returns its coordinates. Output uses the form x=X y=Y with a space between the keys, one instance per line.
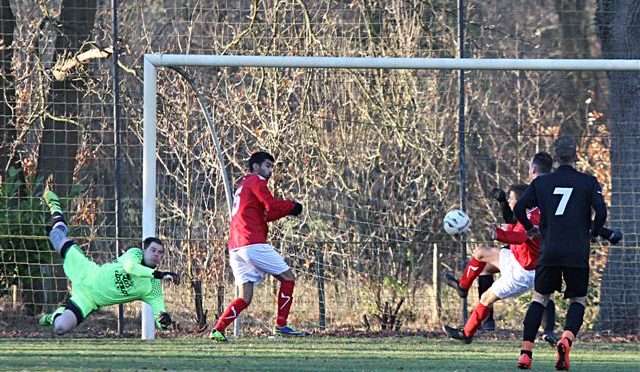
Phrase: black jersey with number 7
x=565 y=198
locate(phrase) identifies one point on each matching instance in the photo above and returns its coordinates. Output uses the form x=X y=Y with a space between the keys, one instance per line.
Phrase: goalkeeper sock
x=230 y=313
x=471 y=272
x=479 y=314
x=285 y=298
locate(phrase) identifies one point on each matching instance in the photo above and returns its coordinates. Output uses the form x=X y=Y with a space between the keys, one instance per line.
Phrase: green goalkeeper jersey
x=126 y=279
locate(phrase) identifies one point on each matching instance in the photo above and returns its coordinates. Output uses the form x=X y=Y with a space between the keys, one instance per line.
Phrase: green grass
x=311 y=353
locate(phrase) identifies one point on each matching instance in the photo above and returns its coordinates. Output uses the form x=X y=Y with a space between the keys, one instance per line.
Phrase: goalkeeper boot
x=457 y=333
x=218 y=336
x=53 y=203
x=524 y=362
x=453 y=282
x=287 y=331
x=562 y=359
x=47 y=319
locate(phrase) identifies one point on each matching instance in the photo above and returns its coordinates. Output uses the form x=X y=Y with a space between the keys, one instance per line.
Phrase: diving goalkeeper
x=130 y=277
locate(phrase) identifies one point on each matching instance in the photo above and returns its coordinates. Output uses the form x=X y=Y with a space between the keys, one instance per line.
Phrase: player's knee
x=60 y=328
x=541 y=299
x=580 y=300
x=487 y=298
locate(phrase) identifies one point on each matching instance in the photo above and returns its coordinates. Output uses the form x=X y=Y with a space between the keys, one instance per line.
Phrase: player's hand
x=167 y=275
x=297 y=209
x=615 y=237
x=165 y=320
x=533 y=232
x=499 y=195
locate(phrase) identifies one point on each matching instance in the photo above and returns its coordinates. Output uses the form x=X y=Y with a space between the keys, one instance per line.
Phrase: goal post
x=153 y=61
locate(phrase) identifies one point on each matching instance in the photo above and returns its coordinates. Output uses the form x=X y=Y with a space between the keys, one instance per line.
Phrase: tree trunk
x=574 y=22
x=617 y=23
x=7 y=100
x=60 y=135
x=59 y=143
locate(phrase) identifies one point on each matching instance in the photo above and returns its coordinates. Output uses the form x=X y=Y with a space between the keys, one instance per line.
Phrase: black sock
x=528 y=352
x=485 y=282
x=575 y=316
x=550 y=317
x=532 y=321
x=57 y=217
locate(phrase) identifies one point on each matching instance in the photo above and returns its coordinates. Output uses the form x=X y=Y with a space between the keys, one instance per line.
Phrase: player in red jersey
x=250 y=256
x=516 y=266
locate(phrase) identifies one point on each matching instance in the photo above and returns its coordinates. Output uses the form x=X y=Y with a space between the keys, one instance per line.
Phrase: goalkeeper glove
x=167 y=275
x=164 y=319
x=499 y=195
x=297 y=209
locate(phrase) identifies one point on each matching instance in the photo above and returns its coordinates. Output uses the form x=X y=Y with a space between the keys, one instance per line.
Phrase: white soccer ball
x=456 y=222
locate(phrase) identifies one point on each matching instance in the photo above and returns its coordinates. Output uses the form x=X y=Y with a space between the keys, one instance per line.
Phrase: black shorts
x=549 y=280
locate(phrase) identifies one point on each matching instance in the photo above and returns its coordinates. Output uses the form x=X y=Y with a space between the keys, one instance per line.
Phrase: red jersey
x=525 y=250
x=253 y=207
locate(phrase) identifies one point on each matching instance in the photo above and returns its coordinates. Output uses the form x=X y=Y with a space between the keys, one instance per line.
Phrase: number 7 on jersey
x=566 y=194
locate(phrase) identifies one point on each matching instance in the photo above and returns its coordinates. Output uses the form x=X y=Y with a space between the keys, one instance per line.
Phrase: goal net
x=370 y=147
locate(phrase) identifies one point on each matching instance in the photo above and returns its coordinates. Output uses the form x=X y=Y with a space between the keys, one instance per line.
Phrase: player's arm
x=528 y=200
x=597 y=202
x=501 y=197
x=132 y=263
x=155 y=299
x=276 y=209
x=511 y=237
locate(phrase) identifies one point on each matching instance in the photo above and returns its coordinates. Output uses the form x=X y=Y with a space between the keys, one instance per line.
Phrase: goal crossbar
x=394 y=63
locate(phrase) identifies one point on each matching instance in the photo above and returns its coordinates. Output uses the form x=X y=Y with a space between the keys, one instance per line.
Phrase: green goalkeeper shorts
x=81 y=271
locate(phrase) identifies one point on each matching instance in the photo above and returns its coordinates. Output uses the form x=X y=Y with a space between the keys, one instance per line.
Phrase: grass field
x=311 y=353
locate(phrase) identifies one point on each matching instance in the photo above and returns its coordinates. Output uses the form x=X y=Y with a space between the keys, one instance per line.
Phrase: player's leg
x=232 y=312
x=66 y=318
x=548 y=323
x=481 y=256
x=547 y=280
x=245 y=277
x=479 y=314
x=577 y=282
x=285 y=299
x=485 y=281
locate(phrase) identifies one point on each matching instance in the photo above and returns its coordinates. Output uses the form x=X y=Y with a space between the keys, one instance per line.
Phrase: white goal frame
x=153 y=61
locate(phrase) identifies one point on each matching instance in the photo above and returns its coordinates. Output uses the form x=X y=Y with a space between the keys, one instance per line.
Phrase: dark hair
x=259 y=158
x=147 y=242
x=564 y=150
x=518 y=189
x=542 y=162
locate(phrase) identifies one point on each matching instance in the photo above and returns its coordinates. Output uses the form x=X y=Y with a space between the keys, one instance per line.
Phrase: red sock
x=471 y=272
x=285 y=298
x=479 y=314
x=230 y=313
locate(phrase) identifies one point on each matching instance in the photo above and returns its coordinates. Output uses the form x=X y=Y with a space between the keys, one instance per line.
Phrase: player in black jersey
x=566 y=198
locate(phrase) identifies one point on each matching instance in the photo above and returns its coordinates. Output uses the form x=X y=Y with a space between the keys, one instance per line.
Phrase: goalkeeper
x=130 y=277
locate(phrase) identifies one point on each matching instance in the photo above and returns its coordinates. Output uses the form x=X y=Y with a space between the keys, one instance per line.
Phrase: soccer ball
x=456 y=222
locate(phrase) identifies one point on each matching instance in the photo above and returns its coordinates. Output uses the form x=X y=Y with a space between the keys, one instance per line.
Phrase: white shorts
x=251 y=262
x=514 y=279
